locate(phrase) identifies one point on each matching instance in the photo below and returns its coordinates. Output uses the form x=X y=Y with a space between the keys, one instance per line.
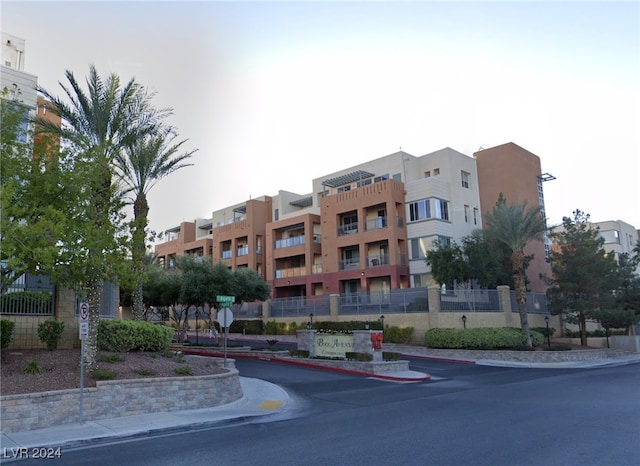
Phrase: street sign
x=84 y=312
x=84 y=330
x=225 y=317
x=225 y=301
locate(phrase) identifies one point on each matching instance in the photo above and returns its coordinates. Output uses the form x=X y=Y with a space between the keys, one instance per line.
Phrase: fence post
x=504 y=295
x=334 y=306
x=433 y=295
x=266 y=310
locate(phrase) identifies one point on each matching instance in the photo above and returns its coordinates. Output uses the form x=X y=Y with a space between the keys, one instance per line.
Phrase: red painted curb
x=308 y=364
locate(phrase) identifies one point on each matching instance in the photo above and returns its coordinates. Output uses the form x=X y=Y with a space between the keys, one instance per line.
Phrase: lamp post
x=382 y=320
x=546 y=320
x=309 y=325
x=366 y=325
x=311 y=319
x=464 y=321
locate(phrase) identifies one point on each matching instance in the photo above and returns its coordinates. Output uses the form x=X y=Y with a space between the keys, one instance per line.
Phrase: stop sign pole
x=224 y=303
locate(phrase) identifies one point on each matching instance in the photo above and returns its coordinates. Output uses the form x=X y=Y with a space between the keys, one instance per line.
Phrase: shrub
x=399 y=335
x=543 y=331
x=103 y=374
x=390 y=356
x=132 y=335
x=249 y=327
x=6 y=332
x=50 y=333
x=183 y=370
x=275 y=328
x=357 y=356
x=145 y=372
x=479 y=338
x=299 y=353
x=32 y=367
x=110 y=358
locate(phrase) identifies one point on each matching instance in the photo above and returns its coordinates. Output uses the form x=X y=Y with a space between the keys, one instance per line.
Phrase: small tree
x=614 y=318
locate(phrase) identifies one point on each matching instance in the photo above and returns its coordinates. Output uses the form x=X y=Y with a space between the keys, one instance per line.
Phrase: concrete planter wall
x=625 y=343
x=115 y=398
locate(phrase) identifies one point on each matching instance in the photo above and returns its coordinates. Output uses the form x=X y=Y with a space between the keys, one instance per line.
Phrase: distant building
x=515 y=172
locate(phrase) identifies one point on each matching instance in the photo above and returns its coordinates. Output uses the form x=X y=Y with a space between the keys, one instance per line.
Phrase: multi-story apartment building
x=515 y=172
x=190 y=238
x=365 y=228
x=619 y=237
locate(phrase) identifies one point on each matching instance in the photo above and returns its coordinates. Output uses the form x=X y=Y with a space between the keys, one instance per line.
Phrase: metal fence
x=471 y=300
x=300 y=306
x=536 y=303
x=392 y=301
x=30 y=294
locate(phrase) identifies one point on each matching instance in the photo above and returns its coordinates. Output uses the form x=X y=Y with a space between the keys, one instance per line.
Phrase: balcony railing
x=349 y=264
x=376 y=223
x=243 y=251
x=377 y=261
x=347 y=229
x=316 y=268
x=290 y=272
x=289 y=242
x=227 y=254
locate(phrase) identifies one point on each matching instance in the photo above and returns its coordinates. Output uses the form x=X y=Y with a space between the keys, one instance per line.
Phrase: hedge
x=133 y=335
x=479 y=338
x=6 y=332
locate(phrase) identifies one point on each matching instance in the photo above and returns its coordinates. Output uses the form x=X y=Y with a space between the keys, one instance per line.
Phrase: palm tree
x=96 y=126
x=516 y=226
x=141 y=165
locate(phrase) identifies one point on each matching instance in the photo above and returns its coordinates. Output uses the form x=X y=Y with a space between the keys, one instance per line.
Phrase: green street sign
x=228 y=300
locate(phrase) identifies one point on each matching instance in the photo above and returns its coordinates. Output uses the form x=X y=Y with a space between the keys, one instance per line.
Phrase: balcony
x=350 y=264
x=376 y=223
x=289 y=242
x=347 y=229
x=377 y=260
x=290 y=272
x=243 y=251
x=227 y=254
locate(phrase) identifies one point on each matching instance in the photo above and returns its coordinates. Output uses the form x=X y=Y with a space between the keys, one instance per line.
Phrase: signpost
x=225 y=317
x=84 y=335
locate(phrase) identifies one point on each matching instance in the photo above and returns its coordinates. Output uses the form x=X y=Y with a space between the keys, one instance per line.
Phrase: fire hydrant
x=376 y=340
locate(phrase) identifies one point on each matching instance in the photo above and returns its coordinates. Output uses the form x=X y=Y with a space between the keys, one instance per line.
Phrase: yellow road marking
x=270 y=404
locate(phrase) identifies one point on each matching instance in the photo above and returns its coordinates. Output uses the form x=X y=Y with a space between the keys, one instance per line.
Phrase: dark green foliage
x=32 y=302
x=249 y=327
x=33 y=367
x=398 y=335
x=110 y=358
x=275 y=328
x=299 y=353
x=50 y=333
x=543 y=331
x=183 y=370
x=357 y=356
x=103 y=374
x=391 y=356
x=6 y=332
x=129 y=335
x=557 y=347
x=479 y=338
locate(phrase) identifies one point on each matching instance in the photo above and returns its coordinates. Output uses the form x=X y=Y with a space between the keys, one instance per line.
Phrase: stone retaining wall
x=115 y=398
x=524 y=356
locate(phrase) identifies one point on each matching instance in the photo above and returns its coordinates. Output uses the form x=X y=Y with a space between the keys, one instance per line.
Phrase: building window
x=363 y=183
x=465 y=179
x=466 y=214
x=419 y=210
x=475 y=216
x=436 y=171
x=418 y=248
x=427 y=174
x=377 y=179
x=344 y=188
x=442 y=209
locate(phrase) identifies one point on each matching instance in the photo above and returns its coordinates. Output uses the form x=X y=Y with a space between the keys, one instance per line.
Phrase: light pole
x=546 y=320
x=382 y=320
x=311 y=319
x=464 y=321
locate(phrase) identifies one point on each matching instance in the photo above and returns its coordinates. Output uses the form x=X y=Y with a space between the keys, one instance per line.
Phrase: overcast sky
x=275 y=94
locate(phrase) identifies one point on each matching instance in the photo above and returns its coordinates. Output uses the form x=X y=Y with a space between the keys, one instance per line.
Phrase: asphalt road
x=467 y=415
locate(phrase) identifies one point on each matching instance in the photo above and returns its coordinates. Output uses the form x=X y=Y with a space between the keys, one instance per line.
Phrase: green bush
x=110 y=358
x=398 y=335
x=543 y=331
x=299 y=353
x=50 y=333
x=356 y=356
x=6 y=332
x=33 y=367
x=103 y=374
x=249 y=327
x=275 y=328
x=390 y=356
x=479 y=338
x=133 y=335
x=183 y=370
x=31 y=302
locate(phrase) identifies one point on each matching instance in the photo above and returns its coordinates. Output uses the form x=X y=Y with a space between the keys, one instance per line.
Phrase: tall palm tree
x=516 y=226
x=97 y=125
x=141 y=165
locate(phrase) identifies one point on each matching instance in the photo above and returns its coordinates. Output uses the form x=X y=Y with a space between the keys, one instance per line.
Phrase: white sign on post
x=225 y=317
x=84 y=321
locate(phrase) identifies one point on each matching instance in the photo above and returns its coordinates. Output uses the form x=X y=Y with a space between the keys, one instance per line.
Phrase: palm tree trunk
x=94 y=293
x=140 y=212
x=521 y=295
